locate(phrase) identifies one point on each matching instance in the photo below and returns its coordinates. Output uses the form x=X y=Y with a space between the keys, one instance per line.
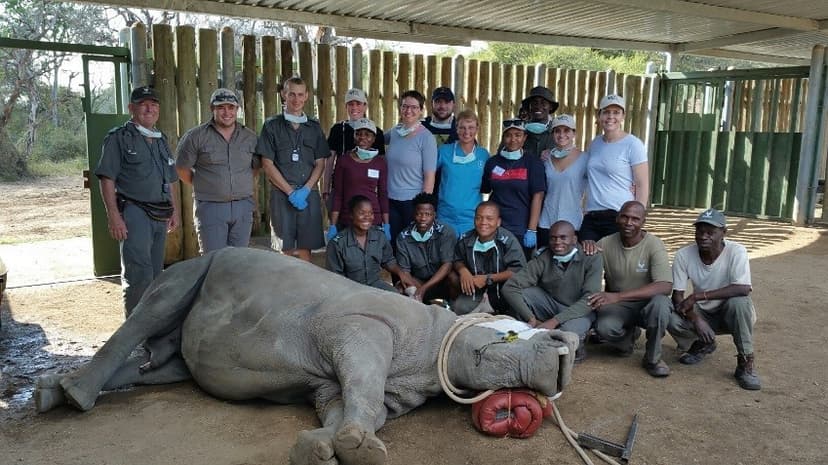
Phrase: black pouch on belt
x=160 y=211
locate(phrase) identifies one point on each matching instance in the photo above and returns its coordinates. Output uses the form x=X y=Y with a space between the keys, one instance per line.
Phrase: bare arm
x=641 y=178
x=174 y=221
x=318 y=168
x=117 y=227
x=275 y=176
x=327 y=173
x=428 y=181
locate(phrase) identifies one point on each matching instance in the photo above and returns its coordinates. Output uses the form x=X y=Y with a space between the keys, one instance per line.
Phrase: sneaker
x=656 y=370
x=745 y=374
x=697 y=352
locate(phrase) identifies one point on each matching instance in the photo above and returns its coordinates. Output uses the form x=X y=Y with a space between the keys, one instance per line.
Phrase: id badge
x=294 y=157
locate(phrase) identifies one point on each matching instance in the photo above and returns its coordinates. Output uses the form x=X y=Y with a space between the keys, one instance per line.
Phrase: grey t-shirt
x=609 y=171
x=409 y=158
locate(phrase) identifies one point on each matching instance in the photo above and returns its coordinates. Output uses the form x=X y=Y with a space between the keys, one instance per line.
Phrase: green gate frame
x=702 y=159
x=105 y=254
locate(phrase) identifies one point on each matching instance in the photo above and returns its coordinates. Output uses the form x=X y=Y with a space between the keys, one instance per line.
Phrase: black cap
x=140 y=94
x=442 y=93
x=543 y=93
x=713 y=217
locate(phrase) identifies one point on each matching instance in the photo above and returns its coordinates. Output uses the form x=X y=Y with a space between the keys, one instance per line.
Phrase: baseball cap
x=563 y=120
x=221 y=96
x=544 y=93
x=612 y=99
x=356 y=95
x=713 y=217
x=364 y=123
x=139 y=94
x=514 y=123
x=442 y=93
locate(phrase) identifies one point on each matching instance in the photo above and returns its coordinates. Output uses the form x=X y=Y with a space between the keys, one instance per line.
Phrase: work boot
x=745 y=375
x=626 y=347
x=656 y=370
x=697 y=352
x=581 y=352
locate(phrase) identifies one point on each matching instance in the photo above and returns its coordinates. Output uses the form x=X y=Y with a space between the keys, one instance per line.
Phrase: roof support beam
x=736 y=39
x=719 y=12
x=720 y=53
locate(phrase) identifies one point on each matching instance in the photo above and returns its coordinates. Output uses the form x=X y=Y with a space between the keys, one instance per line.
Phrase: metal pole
x=138 y=55
x=805 y=185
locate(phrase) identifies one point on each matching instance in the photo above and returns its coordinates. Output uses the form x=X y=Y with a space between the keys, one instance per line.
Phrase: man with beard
x=720 y=274
x=638 y=281
x=441 y=122
x=217 y=159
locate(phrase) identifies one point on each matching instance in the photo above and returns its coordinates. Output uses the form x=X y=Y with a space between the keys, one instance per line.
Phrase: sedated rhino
x=247 y=324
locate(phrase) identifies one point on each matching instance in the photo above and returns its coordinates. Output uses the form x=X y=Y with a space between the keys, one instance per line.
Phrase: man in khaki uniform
x=638 y=283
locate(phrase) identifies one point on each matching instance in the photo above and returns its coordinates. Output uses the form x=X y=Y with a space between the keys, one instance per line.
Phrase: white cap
x=563 y=120
x=357 y=95
x=613 y=99
x=364 y=123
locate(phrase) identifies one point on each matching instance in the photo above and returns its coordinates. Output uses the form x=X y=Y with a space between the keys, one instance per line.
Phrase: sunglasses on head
x=513 y=123
x=224 y=99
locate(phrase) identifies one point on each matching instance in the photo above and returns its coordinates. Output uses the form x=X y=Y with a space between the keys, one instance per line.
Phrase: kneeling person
x=361 y=249
x=425 y=249
x=554 y=289
x=638 y=282
x=484 y=259
x=720 y=273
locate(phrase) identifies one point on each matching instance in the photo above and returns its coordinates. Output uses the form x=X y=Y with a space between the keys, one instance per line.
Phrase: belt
x=603 y=213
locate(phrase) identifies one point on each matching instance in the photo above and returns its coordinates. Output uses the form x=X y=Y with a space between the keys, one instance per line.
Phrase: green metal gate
x=730 y=140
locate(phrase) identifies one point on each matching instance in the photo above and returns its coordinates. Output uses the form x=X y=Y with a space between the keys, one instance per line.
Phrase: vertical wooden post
x=508 y=108
x=138 y=56
x=590 y=106
x=286 y=56
x=520 y=83
x=632 y=110
x=530 y=78
x=552 y=84
x=471 y=86
x=162 y=39
x=207 y=70
x=431 y=75
x=483 y=107
x=581 y=98
x=270 y=77
x=458 y=86
x=306 y=72
x=374 y=82
x=228 y=59
x=325 y=90
x=341 y=82
x=403 y=72
x=187 y=103
x=497 y=107
x=389 y=102
x=356 y=67
x=419 y=73
x=445 y=72
x=251 y=108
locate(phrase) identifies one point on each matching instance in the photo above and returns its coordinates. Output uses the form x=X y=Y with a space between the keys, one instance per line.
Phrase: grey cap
x=713 y=217
x=223 y=96
x=612 y=99
x=364 y=123
x=355 y=95
x=563 y=120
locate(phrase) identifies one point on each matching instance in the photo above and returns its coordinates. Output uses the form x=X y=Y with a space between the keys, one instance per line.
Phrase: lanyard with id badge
x=294 y=156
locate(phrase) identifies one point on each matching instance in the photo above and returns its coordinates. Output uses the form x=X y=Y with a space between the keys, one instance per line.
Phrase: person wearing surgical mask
x=360 y=171
x=515 y=179
x=565 y=168
x=484 y=259
x=540 y=104
x=425 y=249
x=441 y=122
x=461 y=172
x=411 y=153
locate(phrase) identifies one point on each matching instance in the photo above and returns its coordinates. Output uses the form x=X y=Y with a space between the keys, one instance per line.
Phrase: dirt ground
x=698 y=415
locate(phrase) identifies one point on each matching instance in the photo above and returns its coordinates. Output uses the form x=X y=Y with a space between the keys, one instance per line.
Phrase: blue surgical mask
x=463 y=159
x=512 y=155
x=147 y=132
x=537 y=128
x=296 y=119
x=404 y=131
x=566 y=258
x=483 y=246
x=422 y=237
x=558 y=153
x=366 y=154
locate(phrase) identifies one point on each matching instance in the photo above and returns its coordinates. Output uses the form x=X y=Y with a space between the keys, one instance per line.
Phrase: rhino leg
x=316 y=447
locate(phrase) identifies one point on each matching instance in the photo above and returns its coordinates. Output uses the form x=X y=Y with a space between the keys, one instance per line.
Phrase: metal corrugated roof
x=764 y=30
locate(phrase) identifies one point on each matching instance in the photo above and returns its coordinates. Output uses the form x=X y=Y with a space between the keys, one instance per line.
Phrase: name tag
x=498 y=171
x=373 y=174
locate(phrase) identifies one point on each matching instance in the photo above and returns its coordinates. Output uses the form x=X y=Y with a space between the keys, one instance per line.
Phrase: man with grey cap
x=341 y=138
x=441 y=121
x=138 y=185
x=540 y=104
x=719 y=272
x=217 y=159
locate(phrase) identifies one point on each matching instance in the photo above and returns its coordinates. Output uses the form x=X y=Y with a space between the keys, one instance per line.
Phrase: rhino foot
x=48 y=393
x=76 y=396
x=355 y=446
x=313 y=448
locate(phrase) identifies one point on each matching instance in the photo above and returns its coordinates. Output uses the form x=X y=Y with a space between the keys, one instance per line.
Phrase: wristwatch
x=489 y=280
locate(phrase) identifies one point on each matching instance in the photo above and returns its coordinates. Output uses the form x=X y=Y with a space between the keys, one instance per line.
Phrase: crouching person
x=484 y=259
x=361 y=251
x=553 y=290
x=720 y=274
x=425 y=249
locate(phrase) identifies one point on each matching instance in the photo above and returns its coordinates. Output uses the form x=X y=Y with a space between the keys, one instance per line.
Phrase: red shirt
x=352 y=178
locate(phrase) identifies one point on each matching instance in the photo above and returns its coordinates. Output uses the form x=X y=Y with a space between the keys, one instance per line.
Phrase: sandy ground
x=696 y=416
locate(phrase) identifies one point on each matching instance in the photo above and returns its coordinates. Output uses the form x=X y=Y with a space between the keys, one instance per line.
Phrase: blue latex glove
x=302 y=195
x=386 y=228
x=297 y=201
x=530 y=239
x=331 y=232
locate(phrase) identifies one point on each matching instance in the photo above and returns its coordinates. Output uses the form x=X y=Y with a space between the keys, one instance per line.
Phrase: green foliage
x=59 y=144
x=44 y=168
x=566 y=57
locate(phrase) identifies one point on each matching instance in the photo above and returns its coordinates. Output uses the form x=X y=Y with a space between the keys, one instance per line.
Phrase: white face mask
x=558 y=153
x=296 y=119
x=463 y=159
x=404 y=131
x=442 y=124
x=537 y=128
x=512 y=155
x=566 y=258
x=483 y=246
x=147 y=132
x=366 y=154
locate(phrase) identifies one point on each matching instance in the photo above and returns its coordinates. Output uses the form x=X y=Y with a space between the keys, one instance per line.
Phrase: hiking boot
x=656 y=370
x=626 y=347
x=697 y=352
x=745 y=374
x=581 y=352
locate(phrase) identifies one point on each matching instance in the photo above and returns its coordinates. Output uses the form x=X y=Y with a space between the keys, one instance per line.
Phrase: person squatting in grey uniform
x=138 y=184
x=217 y=159
x=293 y=150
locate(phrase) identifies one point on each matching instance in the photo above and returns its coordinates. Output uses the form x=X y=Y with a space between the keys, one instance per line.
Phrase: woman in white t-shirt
x=617 y=171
